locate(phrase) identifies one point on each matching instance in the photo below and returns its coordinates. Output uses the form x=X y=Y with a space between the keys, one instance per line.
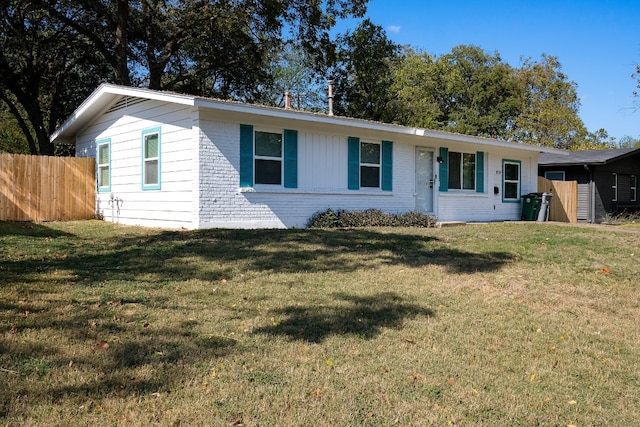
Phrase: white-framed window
x=462 y=171
x=614 y=186
x=103 y=154
x=554 y=175
x=370 y=155
x=511 y=180
x=268 y=157
x=634 y=188
x=151 y=155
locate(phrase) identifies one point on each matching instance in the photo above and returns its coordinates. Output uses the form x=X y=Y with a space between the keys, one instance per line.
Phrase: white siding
x=456 y=205
x=200 y=158
x=322 y=178
x=172 y=205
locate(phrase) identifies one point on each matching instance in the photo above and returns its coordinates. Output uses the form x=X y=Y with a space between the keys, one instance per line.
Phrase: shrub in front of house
x=368 y=218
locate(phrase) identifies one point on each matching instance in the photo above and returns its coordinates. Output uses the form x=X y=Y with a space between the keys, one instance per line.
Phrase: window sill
x=462 y=193
x=276 y=189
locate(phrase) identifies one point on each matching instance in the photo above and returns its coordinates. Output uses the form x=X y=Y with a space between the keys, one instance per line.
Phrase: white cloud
x=394 y=28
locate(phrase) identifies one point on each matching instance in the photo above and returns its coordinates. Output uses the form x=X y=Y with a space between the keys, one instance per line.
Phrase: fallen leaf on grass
x=410 y=341
x=237 y=422
x=102 y=345
x=317 y=393
x=605 y=270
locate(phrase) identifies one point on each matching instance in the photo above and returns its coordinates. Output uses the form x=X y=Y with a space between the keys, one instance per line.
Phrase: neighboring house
x=607 y=179
x=171 y=160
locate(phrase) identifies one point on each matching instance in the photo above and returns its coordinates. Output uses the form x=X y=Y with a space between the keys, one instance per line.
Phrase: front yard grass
x=496 y=324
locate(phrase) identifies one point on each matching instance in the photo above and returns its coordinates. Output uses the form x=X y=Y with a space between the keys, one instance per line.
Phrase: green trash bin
x=531 y=206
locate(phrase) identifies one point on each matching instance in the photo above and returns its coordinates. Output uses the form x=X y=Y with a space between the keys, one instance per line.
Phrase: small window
x=510 y=180
x=151 y=159
x=369 y=165
x=634 y=191
x=554 y=175
x=462 y=171
x=614 y=186
x=104 y=165
x=268 y=158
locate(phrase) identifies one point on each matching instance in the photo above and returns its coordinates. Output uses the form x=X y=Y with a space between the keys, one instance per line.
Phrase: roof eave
x=102 y=98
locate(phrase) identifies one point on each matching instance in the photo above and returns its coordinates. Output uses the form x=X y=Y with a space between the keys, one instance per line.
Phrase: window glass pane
x=103 y=154
x=151 y=172
x=268 y=171
x=151 y=146
x=369 y=176
x=455 y=163
x=554 y=176
x=511 y=190
x=268 y=144
x=103 y=177
x=512 y=172
x=370 y=153
x=469 y=171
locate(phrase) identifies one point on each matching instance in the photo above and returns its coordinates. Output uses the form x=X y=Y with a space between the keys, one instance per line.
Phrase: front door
x=424 y=180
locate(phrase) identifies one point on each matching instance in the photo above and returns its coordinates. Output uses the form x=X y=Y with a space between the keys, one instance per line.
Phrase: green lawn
x=516 y=324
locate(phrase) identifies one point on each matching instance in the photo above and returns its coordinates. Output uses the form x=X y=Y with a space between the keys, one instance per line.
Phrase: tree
x=477 y=93
x=12 y=139
x=416 y=87
x=56 y=51
x=46 y=70
x=549 y=114
x=598 y=140
x=636 y=76
x=293 y=71
x=364 y=73
x=628 y=142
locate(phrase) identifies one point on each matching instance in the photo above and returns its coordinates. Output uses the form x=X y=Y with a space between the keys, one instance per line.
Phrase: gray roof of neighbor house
x=589 y=157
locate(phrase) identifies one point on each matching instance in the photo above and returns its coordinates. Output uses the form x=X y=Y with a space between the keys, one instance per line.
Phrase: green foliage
x=293 y=71
x=549 y=115
x=12 y=139
x=54 y=53
x=466 y=91
x=628 y=142
x=369 y=218
x=364 y=74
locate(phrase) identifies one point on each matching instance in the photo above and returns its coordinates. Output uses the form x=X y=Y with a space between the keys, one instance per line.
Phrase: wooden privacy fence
x=563 y=205
x=41 y=188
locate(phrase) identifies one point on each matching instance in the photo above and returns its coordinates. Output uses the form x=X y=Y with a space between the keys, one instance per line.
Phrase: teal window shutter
x=480 y=172
x=387 y=165
x=444 y=169
x=290 y=158
x=354 y=163
x=246 y=156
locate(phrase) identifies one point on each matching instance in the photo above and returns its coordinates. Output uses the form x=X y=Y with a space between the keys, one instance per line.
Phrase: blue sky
x=597 y=43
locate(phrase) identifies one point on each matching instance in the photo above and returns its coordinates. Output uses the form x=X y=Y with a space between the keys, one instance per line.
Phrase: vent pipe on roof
x=287 y=100
x=330 y=97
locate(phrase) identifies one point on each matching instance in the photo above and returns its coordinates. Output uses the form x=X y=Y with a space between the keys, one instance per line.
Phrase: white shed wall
x=174 y=204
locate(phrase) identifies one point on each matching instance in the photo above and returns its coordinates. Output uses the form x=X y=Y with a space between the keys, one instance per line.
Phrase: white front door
x=424 y=180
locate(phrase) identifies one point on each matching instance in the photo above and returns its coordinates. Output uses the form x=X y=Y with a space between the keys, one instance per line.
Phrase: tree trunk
x=121 y=68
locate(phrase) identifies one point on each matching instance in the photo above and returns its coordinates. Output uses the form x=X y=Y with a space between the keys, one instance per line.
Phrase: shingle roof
x=589 y=157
